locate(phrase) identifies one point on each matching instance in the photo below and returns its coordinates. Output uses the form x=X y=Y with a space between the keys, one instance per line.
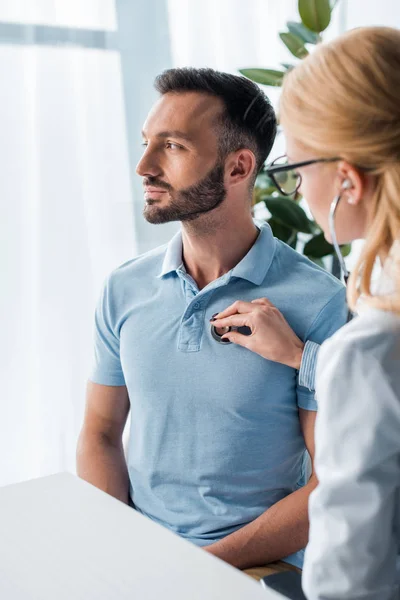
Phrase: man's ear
x=240 y=167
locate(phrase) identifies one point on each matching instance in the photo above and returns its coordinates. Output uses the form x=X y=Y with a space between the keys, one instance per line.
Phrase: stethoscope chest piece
x=218 y=333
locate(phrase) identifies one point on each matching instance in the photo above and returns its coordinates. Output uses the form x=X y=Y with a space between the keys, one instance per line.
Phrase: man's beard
x=190 y=203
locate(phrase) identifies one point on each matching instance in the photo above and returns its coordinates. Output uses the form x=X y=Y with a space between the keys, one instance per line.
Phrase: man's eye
x=144 y=144
x=172 y=146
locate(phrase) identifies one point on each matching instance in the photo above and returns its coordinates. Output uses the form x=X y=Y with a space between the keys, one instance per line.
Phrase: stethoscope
x=335 y=244
x=218 y=333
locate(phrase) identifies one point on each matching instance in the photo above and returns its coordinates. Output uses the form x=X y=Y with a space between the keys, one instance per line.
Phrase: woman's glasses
x=285 y=175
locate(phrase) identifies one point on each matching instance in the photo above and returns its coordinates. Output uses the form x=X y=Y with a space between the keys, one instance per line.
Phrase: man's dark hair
x=248 y=120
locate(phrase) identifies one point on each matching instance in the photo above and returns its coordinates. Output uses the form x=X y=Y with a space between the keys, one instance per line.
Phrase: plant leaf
x=264 y=76
x=259 y=193
x=318 y=247
x=305 y=34
x=288 y=213
x=345 y=250
x=293 y=241
x=294 y=44
x=315 y=14
x=317 y=261
x=287 y=66
x=281 y=231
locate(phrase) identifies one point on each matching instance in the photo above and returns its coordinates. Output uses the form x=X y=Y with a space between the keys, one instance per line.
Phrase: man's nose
x=148 y=166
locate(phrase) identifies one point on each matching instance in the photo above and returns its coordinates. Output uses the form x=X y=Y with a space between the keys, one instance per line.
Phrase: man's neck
x=212 y=248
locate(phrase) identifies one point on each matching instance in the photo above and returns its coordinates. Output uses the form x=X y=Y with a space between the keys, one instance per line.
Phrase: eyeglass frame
x=271 y=169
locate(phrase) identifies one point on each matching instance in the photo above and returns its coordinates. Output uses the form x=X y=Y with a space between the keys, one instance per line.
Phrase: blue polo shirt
x=215 y=437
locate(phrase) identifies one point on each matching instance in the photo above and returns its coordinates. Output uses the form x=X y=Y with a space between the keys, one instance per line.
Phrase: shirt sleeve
x=331 y=318
x=352 y=546
x=107 y=369
x=306 y=377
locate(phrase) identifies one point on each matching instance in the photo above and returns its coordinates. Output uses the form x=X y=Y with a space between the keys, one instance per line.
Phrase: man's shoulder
x=140 y=267
x=310 y=298
x=297 y=269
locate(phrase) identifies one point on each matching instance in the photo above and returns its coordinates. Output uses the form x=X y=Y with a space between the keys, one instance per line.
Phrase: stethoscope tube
x=345 y=271
x=332 y=214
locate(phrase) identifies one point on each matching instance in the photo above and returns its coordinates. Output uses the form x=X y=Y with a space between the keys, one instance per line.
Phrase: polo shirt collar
x=253 y=267
x=173 y=256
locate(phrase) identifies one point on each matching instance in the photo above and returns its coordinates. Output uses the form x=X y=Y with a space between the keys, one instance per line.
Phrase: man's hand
x=271 y=337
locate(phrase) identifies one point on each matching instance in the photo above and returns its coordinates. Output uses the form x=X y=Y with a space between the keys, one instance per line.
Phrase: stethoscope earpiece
x=347 y=185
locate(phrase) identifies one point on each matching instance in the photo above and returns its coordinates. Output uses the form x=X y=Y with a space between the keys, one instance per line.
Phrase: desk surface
x=62 y=538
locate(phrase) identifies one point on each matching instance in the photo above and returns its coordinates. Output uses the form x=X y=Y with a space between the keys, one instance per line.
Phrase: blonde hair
x=344 y=100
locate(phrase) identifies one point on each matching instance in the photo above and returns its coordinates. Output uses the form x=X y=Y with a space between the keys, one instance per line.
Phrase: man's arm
x=100 y=454
x=281 y=530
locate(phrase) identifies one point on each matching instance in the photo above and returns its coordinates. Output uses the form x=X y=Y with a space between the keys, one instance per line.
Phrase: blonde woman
x=340 y=112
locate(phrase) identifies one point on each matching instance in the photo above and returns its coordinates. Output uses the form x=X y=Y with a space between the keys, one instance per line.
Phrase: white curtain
x=231 y=34
x=228 y=35
x=66 y=221
x=89 y=14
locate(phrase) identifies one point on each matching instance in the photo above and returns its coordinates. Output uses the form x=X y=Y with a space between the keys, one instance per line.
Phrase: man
x=218 y=433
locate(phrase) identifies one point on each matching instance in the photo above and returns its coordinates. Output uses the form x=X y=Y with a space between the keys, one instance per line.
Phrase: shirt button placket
x=193 y=324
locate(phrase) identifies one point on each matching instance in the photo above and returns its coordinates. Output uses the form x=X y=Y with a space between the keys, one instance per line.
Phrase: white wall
x=372 y=12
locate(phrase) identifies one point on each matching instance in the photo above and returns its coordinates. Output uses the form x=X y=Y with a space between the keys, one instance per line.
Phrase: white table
x=63 y=539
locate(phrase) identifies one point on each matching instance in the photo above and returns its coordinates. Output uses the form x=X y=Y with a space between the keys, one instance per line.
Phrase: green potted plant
x=288 y=220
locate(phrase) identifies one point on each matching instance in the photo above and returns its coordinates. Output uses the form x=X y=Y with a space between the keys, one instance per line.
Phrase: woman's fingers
x=271 y=335
x=263 y=302
x=232 y=321
x=237 y=338
x=242 y=307
x=237 y=307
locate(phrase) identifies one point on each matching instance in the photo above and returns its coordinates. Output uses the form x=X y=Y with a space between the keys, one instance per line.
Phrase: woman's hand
x=271 y=336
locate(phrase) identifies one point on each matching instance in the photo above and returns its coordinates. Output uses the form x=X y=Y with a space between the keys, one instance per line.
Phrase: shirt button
x=196 y=305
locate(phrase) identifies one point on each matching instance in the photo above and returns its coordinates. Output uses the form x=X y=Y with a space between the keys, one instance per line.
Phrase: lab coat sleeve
x=352 y=547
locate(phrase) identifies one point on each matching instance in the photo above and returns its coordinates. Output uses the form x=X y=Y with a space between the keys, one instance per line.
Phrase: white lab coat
x=354 y=547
